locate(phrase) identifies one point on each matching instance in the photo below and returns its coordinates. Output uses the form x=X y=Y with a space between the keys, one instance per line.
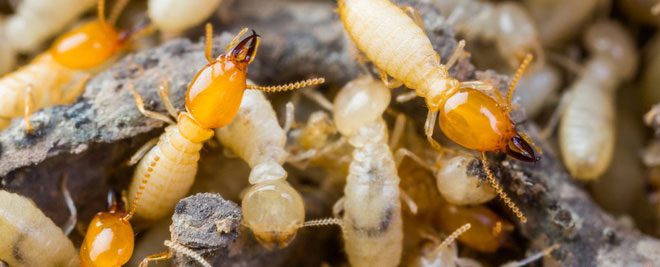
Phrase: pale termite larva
x=36 y=21
x=272 y=209
x=175 y=16
x=586 y=130
x=29 y=238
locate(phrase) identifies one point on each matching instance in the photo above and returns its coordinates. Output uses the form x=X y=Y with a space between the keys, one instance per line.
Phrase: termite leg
x=551 y=125
x=397 y=130
x=289 y=118
x=390 y=83
x=414 y=15
x=165 y=255
x=73 y=211
x=164 y=93
x=76 y=90
x=532 y=258
x=405 y=97
x=338 y=207
x=318 y=98
x=402 y=153
x=28 y=108
x=139 y=154
x=500 y=192
x=410 y=202
x=139 y=103
x=431 y=117
x=458 y=53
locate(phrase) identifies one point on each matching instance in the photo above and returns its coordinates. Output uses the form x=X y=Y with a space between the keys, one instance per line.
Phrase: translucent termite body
x=36 y=21
x=272 y=209
x=560 y=20
x=586 y=130
x=58 y=76
x=175 y=16
x=29 y=238
x=167 y=171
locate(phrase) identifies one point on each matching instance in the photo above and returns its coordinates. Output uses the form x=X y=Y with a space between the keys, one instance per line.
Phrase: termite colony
x=398 y=187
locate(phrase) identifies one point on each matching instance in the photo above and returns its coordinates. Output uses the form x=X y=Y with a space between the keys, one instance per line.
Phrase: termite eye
x=520 y=149
x=246 y=50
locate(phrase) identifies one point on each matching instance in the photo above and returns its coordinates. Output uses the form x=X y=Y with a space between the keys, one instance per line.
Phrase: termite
x=175 y=16
x=36 y=21
x=29 y=238
x=7 y=52
x=468 y=116
x=58 y=76
x=109 y=240
x=560 y=20
x=586 y=130
x=167 y=170
x=272 y=209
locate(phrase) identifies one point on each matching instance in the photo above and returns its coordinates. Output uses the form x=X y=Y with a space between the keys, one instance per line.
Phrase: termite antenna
x=178 y=248
x=514 y=83
x=452 y=237
x=288 y=86
x=100 y=10
x=500 y=192
x=533 y=257
x=209 y=42
x=116 y=11
x=323 y=222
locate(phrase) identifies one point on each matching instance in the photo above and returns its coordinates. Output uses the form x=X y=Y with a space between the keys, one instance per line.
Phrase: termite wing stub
x=91 y=139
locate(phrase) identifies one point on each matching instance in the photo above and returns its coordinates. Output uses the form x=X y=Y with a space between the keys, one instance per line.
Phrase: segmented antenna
x=323 y=222
x=516 y=78
x=288 y=86
x=450 y=239
x=500 y=192
x=178 y=248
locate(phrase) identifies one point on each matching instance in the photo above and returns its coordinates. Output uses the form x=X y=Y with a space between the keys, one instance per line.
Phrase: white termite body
x=29 y=238
x=175 y=16
x=586 y=130
x=169 y=168
x=373 y=232
x=272 y=209
x=35 y=21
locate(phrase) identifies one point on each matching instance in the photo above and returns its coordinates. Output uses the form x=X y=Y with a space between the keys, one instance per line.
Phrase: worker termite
x=175 y=16
x=58 y=76
x=168 y=168
x=29 y=238
x=586 y=130
x=36 y=21
x=272 y=209
x=109 y=239
x=468 y=116
x=560 y=21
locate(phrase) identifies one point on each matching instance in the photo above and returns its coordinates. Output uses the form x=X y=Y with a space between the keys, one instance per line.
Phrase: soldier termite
x=468 y=116
x=58 y=76
x=168 y=169
x=272 y=209
x=29 y=238
x=175 y=16
x=586 y=130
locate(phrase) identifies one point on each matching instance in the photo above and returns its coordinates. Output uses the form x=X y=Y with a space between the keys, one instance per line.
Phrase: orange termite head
x=109 y=239
x=216 y=91
x=93 y=43
x=519 y=147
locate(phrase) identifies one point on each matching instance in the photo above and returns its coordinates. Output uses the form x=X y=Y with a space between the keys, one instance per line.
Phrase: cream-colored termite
x=586 y=130
x=272 y=209
x=455 y=176
x=36 y=21
x=29 y=238
x=175 y=16
x=560 y=20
